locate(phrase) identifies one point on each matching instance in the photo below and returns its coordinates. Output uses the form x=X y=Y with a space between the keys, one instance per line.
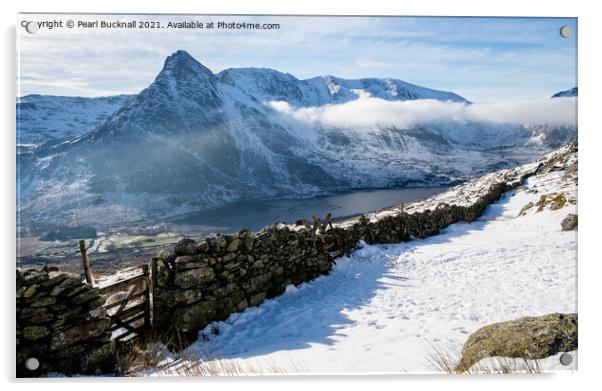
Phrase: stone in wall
x=61 y=322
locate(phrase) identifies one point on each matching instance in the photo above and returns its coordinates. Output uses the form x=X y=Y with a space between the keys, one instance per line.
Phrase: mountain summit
x=181 y=73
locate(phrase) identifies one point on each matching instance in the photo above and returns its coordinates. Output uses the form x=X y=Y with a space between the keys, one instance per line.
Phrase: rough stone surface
x=529 y=338
x=188 y=318
x=61 y=322
x=227 y=273
x=194 y=277
x=569 y=223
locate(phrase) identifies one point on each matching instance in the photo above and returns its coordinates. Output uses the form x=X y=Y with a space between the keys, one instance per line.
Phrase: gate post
x=147 y=304
x=154 y=277
x=84 y=251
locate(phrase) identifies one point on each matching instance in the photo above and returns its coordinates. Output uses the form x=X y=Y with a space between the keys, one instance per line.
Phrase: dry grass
x=151 y=357
x=147 y=352
x=448 y=362
x=138 y=356
x=505 y=365
x=193 y=366
x=445 y=361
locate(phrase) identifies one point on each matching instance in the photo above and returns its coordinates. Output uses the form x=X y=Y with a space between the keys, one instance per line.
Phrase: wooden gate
x=128 y=303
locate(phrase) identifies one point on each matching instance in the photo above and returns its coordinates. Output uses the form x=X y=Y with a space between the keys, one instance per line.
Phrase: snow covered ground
x=384 y=308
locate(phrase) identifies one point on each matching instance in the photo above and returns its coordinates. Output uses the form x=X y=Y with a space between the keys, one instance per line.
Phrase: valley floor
x=386 y=308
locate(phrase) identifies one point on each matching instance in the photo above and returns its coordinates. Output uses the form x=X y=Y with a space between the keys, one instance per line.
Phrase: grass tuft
x=449 y=362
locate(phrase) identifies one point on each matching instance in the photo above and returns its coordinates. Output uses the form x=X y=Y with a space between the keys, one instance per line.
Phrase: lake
x=258 y=214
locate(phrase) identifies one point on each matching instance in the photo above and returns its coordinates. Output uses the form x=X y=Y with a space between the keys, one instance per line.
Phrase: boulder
x=528 y=338
x=569 y=223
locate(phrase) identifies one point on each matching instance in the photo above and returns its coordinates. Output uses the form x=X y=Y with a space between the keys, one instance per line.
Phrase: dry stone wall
x=206 y=281
x=402 y=227
x=61 y=324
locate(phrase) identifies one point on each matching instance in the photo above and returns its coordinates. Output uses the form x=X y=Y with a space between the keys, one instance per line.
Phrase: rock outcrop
x=569 y=223
x=528 y=338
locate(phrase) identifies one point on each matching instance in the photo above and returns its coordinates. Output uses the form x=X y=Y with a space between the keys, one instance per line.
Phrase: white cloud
x=369 y=112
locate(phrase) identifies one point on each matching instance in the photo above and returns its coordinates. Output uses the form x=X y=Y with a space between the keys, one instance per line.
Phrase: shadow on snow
x=315 y=312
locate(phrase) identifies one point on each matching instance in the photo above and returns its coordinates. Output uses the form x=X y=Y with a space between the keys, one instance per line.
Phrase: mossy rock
x=552 y=201
x=69 y=283
x=185 y=246
x=528 y=337
x=194 y=277
x=558 y=202
x=29 y=292
x=33 y=333
x=195 y=316
x=233 y=246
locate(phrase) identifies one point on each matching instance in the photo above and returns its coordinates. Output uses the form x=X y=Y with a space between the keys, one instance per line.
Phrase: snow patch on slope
x=42 y=118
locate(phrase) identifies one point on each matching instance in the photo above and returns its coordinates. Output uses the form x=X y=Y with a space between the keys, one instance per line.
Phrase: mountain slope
x=42 y=118
x=171 y=148
x=194 y=140
x=567 y=93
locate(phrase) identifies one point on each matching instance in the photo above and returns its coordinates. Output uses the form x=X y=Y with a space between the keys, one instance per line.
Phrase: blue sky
x=483 y=59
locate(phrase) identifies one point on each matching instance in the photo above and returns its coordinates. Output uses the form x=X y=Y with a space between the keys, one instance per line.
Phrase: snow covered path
x=383 y=308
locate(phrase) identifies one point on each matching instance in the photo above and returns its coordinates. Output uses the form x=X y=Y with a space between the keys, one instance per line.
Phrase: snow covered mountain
x=194 y=139
x=566 y=93
x=270 y=85
x=42 y=118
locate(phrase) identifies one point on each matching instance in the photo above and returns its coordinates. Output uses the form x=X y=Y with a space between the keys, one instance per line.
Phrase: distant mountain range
x=194 y=140
x=567 y=93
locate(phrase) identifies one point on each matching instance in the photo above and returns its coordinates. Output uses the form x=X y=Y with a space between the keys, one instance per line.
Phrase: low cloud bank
x=369 y=112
